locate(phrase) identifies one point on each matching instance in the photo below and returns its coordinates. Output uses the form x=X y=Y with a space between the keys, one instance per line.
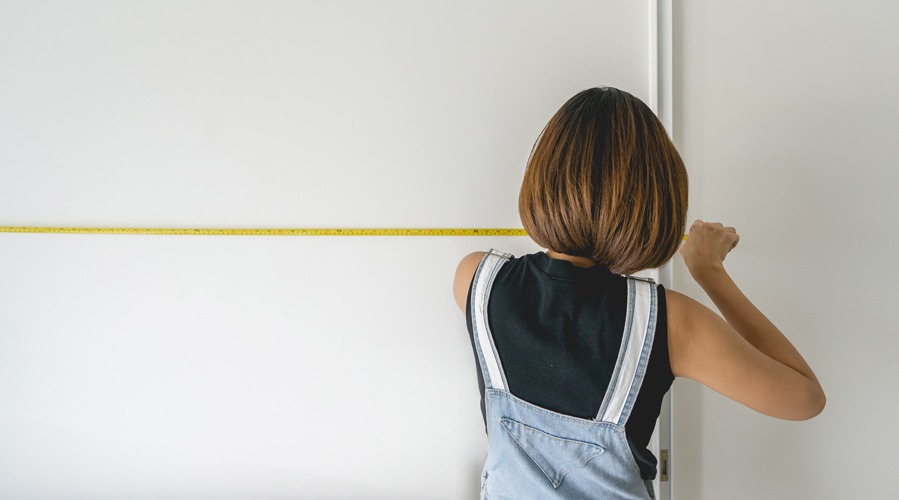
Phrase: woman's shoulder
x=464 y=274
x=468 y=266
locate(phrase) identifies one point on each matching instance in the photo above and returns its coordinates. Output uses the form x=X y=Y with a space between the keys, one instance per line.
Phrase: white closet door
x=226 y=366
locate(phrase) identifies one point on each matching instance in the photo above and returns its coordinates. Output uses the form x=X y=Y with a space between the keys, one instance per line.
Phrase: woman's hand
x=706 y=247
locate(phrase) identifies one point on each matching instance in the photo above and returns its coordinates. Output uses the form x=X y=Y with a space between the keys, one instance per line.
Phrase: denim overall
x=535 y=453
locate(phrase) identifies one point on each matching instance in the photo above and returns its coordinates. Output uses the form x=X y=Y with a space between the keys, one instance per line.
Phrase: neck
x=577 y=261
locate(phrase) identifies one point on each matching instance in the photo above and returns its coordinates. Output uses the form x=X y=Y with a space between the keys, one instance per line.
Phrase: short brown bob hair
x=604 y=181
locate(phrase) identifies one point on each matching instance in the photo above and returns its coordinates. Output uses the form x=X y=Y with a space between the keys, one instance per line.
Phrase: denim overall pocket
x=556 y=456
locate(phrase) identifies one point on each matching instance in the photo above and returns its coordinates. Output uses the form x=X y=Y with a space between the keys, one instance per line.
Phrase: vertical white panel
x=184 y=367
x=663 y=42
x=789 y=125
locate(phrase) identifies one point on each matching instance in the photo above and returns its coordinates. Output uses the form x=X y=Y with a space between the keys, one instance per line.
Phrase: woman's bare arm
x=745 y=358
x=464 y=273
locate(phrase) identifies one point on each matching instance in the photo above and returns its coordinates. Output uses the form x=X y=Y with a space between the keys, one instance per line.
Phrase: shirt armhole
x=659 y=358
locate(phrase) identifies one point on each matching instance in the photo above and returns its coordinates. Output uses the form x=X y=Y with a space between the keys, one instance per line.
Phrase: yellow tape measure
x=271 y=232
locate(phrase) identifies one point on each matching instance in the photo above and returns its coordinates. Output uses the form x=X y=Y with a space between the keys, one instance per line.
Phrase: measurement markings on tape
x=271 y=232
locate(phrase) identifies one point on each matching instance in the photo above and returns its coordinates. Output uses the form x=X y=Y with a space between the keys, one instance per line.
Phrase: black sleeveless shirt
x=557 y=328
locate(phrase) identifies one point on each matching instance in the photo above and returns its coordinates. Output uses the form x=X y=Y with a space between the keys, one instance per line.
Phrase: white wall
x=224 y=366
x=786 y=115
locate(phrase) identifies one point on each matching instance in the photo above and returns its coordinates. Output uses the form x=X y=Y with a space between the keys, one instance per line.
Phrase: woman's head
x=604 y=181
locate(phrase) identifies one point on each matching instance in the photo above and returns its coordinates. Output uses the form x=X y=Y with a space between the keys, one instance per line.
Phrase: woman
x=574 y=355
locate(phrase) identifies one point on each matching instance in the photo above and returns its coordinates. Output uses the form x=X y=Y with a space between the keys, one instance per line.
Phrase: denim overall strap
x=633 y=356
x=492 y=369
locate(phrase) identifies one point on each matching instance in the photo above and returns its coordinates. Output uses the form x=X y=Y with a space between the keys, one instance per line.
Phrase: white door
x=185 y=366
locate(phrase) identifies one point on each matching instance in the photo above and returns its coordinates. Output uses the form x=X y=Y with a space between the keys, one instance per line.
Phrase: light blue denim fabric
x=535 y=453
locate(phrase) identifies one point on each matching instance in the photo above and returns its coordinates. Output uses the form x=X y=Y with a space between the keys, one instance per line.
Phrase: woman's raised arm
x=745 y=358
